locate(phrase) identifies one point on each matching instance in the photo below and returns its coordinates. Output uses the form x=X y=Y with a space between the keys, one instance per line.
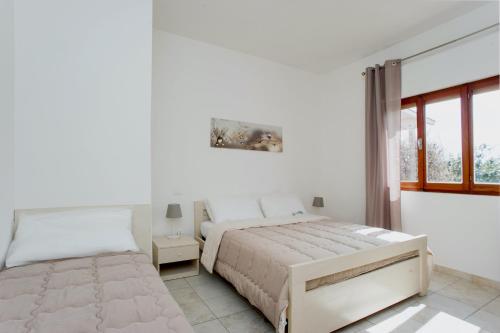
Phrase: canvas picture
x=242 y=135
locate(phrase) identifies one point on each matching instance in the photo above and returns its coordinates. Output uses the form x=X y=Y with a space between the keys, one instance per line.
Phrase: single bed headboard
x=141 y=221
x=200 y=215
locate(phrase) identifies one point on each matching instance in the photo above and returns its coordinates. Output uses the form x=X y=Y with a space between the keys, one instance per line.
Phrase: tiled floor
x=453 y=305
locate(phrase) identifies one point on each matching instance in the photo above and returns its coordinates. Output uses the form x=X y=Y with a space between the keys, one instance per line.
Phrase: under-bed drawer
x=179 y=253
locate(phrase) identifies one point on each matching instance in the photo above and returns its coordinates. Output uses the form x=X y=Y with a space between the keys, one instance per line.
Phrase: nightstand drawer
x=178 y=253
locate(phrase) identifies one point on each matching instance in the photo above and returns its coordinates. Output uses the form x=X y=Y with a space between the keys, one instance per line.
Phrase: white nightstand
x=176 y=258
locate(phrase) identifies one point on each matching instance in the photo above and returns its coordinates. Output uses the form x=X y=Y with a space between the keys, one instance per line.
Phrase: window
x=409 y=147
x=410 y=168
x=450 y=139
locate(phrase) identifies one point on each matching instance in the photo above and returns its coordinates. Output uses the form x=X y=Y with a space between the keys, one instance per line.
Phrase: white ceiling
x=315 y=35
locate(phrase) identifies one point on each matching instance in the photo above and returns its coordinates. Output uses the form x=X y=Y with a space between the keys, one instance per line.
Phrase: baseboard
x=467 y=276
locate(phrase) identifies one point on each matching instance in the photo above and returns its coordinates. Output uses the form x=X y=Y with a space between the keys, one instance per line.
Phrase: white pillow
x=225 y=209
x=281 y=205
x=72 y=233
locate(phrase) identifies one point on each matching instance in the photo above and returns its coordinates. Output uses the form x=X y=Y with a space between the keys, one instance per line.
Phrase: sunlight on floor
x=397 y=320
x=441 y=322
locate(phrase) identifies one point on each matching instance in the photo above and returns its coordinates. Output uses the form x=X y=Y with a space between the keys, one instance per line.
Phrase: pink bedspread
x=116 y=293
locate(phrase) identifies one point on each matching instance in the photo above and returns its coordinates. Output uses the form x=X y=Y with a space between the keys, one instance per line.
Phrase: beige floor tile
x=403 y=305
x=226 y=305
x=213 y=289
x=395 y=324
x=485 y=320
x=439 y=280
x=198 y=279
x=443 y=322
x=419 y=317
x=213 y=326
x=185 y=295
x=197 y=312
x=203 y=279
x=194 y=308
x=493 y=307
x=408 y=326
x=429 y=306
x=381 y=316
x=469 y=293
x=249 y=321
x=202 y=270
x=176 y=284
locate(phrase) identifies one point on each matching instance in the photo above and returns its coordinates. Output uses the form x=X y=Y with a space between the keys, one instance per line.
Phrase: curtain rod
x=447 y=43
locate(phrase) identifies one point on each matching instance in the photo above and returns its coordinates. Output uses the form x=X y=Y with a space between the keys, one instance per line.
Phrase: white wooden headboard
x=141 y=221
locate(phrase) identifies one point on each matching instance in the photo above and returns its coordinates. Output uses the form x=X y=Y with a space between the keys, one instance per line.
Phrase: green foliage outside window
x=447 y=168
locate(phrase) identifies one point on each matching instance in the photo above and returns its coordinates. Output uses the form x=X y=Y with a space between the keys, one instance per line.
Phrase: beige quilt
x=254 y=255
x=113 y=293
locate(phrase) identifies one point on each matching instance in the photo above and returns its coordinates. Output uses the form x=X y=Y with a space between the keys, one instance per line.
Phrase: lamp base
x=174 y=236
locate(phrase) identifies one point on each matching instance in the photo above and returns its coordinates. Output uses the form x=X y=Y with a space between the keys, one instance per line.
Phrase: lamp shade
x=318 y=202
x=174 y=211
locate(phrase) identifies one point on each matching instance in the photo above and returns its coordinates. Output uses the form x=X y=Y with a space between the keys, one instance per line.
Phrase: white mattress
x=205 y=227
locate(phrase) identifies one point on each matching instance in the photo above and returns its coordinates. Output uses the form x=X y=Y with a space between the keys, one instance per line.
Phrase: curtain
x=382 y=140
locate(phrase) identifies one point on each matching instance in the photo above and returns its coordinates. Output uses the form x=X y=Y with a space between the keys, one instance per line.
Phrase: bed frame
x=334 y=306
x=141 y=221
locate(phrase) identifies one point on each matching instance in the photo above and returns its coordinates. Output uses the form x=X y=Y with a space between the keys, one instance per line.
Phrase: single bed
x=312 y=273
x=109 y=292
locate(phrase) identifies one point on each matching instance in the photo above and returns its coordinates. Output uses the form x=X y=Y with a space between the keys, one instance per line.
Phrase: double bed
x=310 y=273
x=107 y=292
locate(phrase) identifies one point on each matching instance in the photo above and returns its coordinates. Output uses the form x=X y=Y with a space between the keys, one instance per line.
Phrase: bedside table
x=176 y=258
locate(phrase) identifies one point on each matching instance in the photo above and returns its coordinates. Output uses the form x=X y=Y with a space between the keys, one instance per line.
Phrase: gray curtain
x=382 y=140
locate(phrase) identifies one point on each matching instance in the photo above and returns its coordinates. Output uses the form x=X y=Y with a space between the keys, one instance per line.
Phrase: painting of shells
x=241 y=135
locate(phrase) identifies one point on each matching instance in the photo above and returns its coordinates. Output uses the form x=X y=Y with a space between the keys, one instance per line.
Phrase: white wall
x=6 y=123
x=193 y=82
x=463 y=229
x=82 y=93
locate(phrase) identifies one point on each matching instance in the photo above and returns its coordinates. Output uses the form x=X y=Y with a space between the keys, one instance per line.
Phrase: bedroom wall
x=463 y=230
x=6 y=124
x=194 y=81
x=82 y=92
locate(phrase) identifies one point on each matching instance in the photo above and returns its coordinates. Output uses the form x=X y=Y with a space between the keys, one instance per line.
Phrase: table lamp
x=318 y=202
x=174 y=212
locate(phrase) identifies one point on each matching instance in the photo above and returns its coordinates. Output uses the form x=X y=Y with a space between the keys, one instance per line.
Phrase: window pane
x=443 y=132
x=409 y=149
x=486 y=136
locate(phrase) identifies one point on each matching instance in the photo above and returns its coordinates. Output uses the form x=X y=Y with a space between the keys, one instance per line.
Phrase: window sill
x=483 y=192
